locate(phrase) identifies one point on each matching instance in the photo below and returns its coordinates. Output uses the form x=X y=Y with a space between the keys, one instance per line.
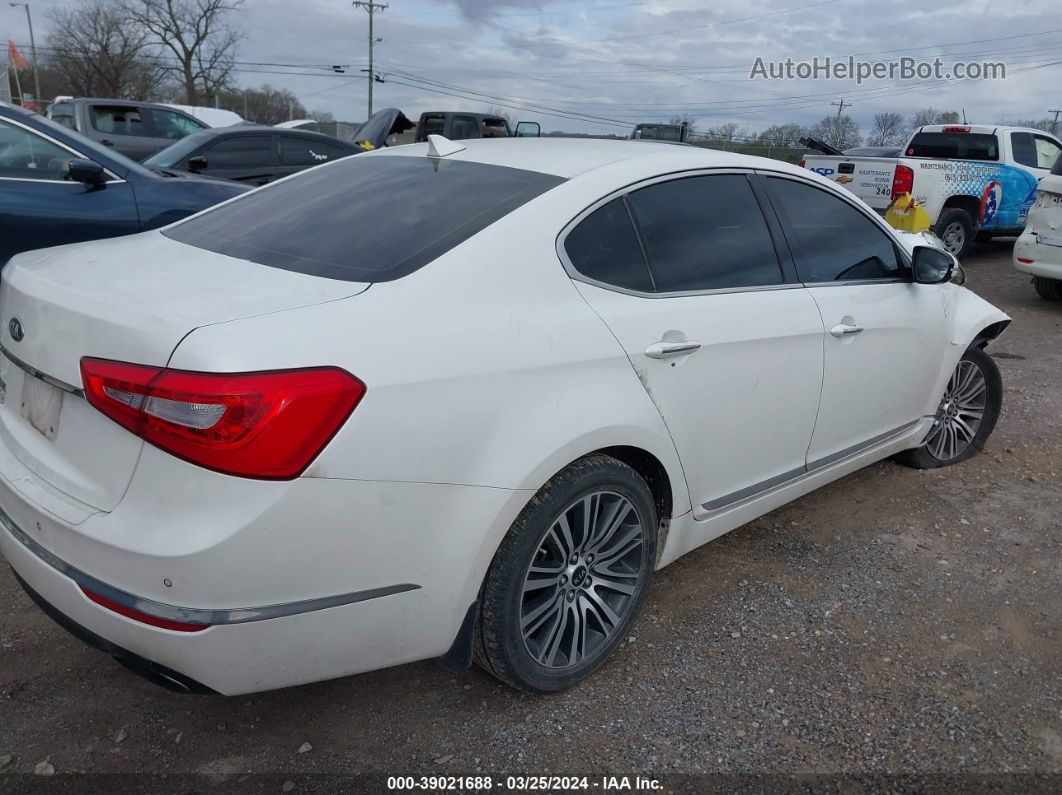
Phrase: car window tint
x=956 y=146
x=24 y=155
x=63 y=114
x=705 y=233
x=117 y=120
x=239 y=151
x=172 y=125
x=604 y=247
x=366 y=218
x=834 y=240
x=462 y=127
x=296 y=151
x=434 y=125
x=1039 y=151
x=495 y=128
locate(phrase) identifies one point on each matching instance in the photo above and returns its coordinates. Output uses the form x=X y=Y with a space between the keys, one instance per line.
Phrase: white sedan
x=1038 y=251
x=456 y=401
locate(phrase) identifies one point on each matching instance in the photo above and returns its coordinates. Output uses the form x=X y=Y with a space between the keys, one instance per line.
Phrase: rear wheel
x=1050 y=289
x=569 y=577
x=955 y=229
x=966 y=415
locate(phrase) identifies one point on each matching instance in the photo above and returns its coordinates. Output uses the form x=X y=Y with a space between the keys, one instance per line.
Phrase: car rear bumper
x=413 y=570
x=1046 y=260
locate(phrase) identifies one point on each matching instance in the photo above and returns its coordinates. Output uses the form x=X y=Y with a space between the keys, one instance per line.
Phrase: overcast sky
x=616 y=62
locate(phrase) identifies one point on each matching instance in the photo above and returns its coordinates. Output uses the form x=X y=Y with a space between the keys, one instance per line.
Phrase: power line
x=372 y=8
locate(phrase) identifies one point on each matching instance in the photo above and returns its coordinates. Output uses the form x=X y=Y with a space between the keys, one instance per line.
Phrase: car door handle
x=843 y=330
x=106 y=142
x=659 y=350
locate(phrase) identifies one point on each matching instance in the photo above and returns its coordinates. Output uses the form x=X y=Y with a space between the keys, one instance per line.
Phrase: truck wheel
x=955 y=229
x=1048 y=288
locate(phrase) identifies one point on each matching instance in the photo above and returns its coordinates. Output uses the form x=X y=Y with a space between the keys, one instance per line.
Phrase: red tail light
x=902 y=181
x=957 y=128
x=802 y=163
x=267 y=425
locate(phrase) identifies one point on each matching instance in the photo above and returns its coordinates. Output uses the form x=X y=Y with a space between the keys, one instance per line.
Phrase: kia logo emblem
x=15 y=327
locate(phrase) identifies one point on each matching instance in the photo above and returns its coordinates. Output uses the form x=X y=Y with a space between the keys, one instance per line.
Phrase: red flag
x=14 y=57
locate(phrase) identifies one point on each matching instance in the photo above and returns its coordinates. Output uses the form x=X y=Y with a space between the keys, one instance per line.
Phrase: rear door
x=885 y=335
x=298 y=152
x=250 y=159
x=40 y=208
x=123 y=127
x=688 y=275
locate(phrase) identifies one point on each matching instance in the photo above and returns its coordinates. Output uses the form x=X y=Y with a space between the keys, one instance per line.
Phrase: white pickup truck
x=974 y=180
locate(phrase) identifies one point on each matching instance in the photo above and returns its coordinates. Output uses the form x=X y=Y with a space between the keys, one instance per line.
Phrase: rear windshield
x=365 y=218
x=955 y=146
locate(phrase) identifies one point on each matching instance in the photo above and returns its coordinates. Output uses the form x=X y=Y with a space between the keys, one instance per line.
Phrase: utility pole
x=372 y=7
x=1054 y=124
x=841 y=106
x=33 y=53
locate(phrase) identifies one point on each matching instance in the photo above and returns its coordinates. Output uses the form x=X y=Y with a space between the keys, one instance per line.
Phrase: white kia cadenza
x=456 y=401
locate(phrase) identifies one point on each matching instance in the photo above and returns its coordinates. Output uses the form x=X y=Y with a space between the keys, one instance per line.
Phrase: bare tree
x=96 y=53
x=888 y=129
x=783 y=134
x=842 y=133
x=933 y=116
x=265 y=104
x=687 y=119
x=197 y=34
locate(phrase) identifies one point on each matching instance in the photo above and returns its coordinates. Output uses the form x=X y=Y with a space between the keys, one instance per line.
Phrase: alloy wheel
x=960 y=412
x=582 y=579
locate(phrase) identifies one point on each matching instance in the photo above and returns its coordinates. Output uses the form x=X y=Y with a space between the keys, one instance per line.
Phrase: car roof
x=570 y=157
x=258 y=129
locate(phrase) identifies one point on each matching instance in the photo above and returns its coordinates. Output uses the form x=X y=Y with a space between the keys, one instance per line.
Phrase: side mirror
x=932 y=265
x=528 y=129
x=87 y=172
x=197 y=164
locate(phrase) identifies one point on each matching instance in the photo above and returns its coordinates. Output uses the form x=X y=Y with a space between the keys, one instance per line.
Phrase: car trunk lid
x=129 y=300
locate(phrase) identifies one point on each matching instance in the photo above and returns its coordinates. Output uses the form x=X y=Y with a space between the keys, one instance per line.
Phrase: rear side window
x=118 y=120
x=367 y=218
x=705 y=233
x=1035 y=151
x=834 y=241
x=296 y=151
x=63 y=114
x=463 y=127
x=604 y=247
x=956 y=146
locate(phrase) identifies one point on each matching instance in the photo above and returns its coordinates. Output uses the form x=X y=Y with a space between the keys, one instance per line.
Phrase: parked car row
x=328 y=427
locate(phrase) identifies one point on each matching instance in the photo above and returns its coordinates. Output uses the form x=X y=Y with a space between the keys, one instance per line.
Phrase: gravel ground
x=896 y=621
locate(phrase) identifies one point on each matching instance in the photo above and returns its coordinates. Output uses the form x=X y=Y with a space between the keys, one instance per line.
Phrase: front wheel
x=966 y=415
x=569 y=577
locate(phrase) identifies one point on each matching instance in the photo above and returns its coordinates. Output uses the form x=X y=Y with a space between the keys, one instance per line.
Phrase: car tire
x=957 y=434
x=551 y=635
x=955 y=229
x=1050 y=289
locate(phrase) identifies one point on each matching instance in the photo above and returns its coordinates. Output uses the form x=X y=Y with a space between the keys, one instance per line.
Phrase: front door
x=728 y=347
x=885 y=335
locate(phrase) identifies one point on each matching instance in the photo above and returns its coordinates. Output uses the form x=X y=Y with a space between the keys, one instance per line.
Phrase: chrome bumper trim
x=194 y=615
x=33 y=371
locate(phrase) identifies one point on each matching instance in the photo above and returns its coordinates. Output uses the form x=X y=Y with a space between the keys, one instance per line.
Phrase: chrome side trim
x=194 y=615
x=33 y=371
x=800 y=472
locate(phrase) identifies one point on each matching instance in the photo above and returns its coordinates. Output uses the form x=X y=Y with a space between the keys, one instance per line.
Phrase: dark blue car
x=58 y=187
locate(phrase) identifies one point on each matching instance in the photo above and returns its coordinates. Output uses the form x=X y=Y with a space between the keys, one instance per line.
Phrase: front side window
x=834 y=241
x=240 y=151
x=174 y=126
x=370 y=218
x=705 y=233
x=25 y=155
x=604 y=247
x=117 y=120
